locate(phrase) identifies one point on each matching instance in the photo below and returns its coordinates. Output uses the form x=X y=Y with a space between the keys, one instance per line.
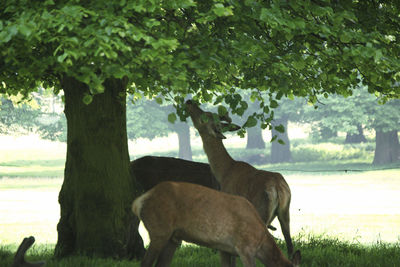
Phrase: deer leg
x=166 y=255
x=156 y=246
x=284 y=220
x=227 y=260
x=247 y=260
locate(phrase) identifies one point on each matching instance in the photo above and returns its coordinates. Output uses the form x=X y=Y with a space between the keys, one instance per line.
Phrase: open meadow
x=352 y=211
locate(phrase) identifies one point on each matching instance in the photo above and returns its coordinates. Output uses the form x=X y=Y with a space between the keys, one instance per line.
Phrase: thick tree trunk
x=185 y=149
x=254 y=138
x=356 y=138
x=97 y=191
x=279 y=152
x=387 y=148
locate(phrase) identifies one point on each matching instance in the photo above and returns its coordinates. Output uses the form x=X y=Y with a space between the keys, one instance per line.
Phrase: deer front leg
x=284 y=220
x=227 y=260
x=247 y=260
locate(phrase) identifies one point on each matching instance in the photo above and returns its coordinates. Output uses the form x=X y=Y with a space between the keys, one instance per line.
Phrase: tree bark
x=387 y=148
x=279 y=152
x=97 y=190
x=356 y=138
x=254 y=138
x=185 y=149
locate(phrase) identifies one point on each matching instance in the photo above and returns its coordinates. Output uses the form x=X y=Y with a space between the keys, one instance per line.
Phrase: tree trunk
x=356 y=138
x=185 y=149
x=387 y=148
x=279 y=152
x=97 y=191
x=254 y=138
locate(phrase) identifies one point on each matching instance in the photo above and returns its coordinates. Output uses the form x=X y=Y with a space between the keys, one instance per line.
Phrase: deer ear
x=225 y=118
x=231 y=127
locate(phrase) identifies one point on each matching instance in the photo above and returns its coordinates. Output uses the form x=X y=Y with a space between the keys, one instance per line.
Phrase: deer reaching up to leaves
x=267 y=191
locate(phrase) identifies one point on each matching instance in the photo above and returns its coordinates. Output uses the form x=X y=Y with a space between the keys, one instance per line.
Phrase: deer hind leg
x=227 y=260
x=269 y=208
x=284 y=220
x=166 y=255
x=157 y=244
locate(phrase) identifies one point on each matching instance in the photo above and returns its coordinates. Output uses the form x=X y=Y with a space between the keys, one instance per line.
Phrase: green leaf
x=221 y=11
x=62 y=57
x=346 y=37
x=159 y=100
x=299 y=65
x=280 y=141
x=280 y=128
x=251 y=122
x=87 y=99
x=222 y=110
x=273 y=104
x=99 y=89
x=172 y=117
x=24 y=30
x=265 y=14
x=378 y=55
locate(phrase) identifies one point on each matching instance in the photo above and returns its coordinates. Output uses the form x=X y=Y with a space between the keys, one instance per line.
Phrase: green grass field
x=316 y=252
x=343 y=213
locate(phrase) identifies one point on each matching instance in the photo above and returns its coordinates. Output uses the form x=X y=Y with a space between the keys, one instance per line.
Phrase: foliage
x=328 y=152
x=17 y=116
x=146 y=119
x=344 y=114
x=34 y=115
x=207 y=48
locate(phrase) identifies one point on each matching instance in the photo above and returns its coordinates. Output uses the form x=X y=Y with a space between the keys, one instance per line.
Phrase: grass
x=316 y=251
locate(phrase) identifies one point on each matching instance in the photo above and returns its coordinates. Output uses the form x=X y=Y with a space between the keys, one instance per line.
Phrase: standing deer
x=150 y=171
x=19 y=258
x=176 y=211
x=267 y=191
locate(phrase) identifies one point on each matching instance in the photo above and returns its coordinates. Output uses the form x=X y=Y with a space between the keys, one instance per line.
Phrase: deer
x=267 y=191
x=151 y=170
x=176 y=211
x=19 y=258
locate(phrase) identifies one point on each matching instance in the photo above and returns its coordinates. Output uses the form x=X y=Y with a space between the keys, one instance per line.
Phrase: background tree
x=385 y=120
x=288 y=110
x=361 y=110
x=149 y=119
x=18 y=115
x=98 y=51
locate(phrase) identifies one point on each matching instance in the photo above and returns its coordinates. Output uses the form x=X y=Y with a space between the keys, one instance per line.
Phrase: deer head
x=208 y=123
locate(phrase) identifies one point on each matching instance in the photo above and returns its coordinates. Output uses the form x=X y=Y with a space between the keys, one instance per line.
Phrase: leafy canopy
x=210 y=49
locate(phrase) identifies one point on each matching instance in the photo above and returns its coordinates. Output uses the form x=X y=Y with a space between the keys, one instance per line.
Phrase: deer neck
x=219 y=159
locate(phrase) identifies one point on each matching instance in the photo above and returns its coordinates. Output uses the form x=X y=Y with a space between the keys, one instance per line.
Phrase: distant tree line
x=149 y=119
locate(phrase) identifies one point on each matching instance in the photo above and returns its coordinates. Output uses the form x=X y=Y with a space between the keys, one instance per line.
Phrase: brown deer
x=176 y=211
x=19 y=258
x=267 y=191
x=150 y=171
